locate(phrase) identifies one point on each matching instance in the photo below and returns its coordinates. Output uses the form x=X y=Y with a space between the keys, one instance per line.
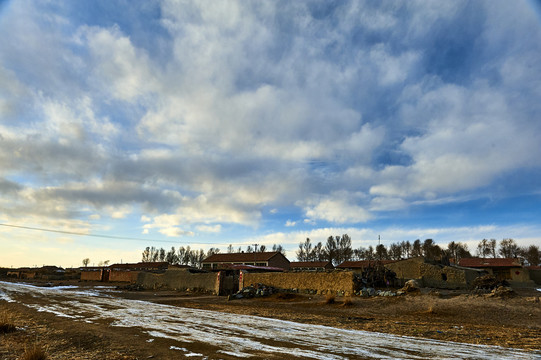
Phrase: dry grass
x=348 y=301
x=330 y=298
x=6 y=324
x=34 y=353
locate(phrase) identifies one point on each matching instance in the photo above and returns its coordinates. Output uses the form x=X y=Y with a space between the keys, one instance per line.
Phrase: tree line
x=338 y=249
x=192 y=257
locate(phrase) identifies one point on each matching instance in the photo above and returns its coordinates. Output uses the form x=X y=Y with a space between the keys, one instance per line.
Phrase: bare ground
x=510 y=322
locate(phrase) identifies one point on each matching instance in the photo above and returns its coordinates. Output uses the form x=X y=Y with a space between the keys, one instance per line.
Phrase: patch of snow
x=5 y=297
x=538 y=289
x=236 y=354
x=246 y=336
x=150 y=340
x=172 y=347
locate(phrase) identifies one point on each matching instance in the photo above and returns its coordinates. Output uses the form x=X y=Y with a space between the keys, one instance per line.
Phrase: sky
x=127 y=124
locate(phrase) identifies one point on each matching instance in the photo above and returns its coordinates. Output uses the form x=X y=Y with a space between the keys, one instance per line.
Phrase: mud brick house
x=271 y=259
x=360 y=266
x=93 y=273
x=44 y=273
x=310 y=266
x=433 y=274
x=508 y=269
x=129 y=272
x=122 y=272
x=22 y=273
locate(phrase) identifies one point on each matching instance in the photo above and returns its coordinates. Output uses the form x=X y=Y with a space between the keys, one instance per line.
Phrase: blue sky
x=238 y=122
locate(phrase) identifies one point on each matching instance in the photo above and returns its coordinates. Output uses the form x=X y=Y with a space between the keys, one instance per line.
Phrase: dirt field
x=509 y=322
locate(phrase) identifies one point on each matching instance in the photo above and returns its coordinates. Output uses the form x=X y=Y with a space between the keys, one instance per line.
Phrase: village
x=226 y=274
x=470 y=301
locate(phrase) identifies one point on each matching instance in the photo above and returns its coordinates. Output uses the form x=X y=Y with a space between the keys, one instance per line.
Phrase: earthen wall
x=91 y=275
x=123 y=276
x=180 y=280
x=335 y=281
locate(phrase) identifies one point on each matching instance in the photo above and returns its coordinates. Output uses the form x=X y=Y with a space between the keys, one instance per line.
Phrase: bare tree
x=171 y=256
x=381 y=252
x=331 y=249
x=318 y=253
x=509 y=249
x=417 y=248
x=345 y=252
x=457 y=251
x=304 y=250
x=86 y=261
x=532 y=255
x=487 y=248
x=278 y=248
x=212 y=251
x=395 y=251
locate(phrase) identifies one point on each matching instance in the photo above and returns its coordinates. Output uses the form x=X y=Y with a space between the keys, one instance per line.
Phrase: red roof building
x=272 y=259
x=489 y=262
x=501 y=268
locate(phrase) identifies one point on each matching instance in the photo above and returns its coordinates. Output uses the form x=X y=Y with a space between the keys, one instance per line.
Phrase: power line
x=100 y=235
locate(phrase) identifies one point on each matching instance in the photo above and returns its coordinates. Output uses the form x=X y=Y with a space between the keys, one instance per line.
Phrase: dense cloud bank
x=190 y=116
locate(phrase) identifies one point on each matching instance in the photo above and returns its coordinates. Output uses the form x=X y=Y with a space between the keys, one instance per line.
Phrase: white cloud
x=337 y=210
x=290 y=223
x=120 y=67
x=209 y=229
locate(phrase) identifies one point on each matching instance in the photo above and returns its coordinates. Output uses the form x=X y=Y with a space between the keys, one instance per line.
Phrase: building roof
x=308 y=264
x=250 y=268
x=362 y=264
x=141 y=265
x=489 y=262
x=242 y=257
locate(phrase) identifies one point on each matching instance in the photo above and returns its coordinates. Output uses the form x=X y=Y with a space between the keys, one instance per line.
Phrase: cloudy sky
x=208 y=123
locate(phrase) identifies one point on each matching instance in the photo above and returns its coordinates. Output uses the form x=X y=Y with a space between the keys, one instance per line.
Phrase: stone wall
x=180 y=279
x=336 y=281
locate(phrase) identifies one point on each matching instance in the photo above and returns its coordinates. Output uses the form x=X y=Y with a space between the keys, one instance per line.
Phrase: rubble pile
x=248 y=292
x=368 y=292
x=487 y=282
x=411 y=286
x=130 y=287
x=502 y=291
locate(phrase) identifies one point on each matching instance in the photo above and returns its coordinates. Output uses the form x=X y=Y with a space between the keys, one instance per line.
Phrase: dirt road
x=167 y=332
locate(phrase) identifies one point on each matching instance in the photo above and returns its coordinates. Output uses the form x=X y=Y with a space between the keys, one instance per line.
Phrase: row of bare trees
x=338 y=249
x=192 y=257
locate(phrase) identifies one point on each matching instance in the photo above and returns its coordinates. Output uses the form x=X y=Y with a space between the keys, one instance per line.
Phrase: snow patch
x=5 y=297
x=172 y=347
x=248 y=336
